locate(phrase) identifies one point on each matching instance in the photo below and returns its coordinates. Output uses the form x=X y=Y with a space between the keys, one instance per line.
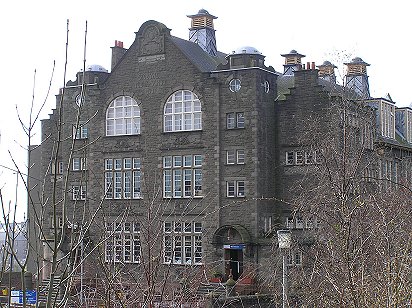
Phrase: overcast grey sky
x=33 y=34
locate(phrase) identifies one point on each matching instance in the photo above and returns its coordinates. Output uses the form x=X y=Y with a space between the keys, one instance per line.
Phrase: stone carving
x=151 y=42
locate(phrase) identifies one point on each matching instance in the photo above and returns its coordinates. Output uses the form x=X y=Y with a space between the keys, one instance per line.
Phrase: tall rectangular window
x=80 y=132
x=235 y=157
x=79 y=163
x=182 y=243
x=122 y=178
x=235 y=120
x=60 y=167
x=182 y=176
x=78 y=192
x=235 y=189
x=123 y=242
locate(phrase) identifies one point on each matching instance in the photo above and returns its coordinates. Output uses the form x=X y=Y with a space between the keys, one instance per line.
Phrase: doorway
x=233 y=263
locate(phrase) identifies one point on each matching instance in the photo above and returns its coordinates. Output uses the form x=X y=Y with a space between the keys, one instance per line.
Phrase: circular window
x=79 y=100
x=234 y=85
x=266 y=85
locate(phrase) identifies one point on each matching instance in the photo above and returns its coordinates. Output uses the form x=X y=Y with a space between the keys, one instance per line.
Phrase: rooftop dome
x=203 y=11
x=96 y=68
x=358 y=60
x=247 y=50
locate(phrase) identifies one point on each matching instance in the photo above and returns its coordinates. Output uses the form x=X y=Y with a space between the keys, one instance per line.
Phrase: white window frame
x=236 y=189
x=240 y=157
x=182 y=176
x=79 y=192
x=182 y=245
x=122 y=178
x=182 y=112
x=267 y=228
x=123 y=117
x=294 y=258
x=80 y=132
x=235 y=157
x=230 y=157
x=79 y=163
x=235 y=84
x=235 y=120
x=266 y=86
x=60 y=168
x=123 y=242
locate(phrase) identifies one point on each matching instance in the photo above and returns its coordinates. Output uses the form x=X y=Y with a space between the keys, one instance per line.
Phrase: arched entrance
x=234 y=240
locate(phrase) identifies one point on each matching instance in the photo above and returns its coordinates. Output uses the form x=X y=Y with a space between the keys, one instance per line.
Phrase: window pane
x=240 y=120
x=230 y=157
x=231 y=189
x=240 y=189
x=230 y=120
x=178 y=107
x=187 y=160
x=178 y=122
x=240 y=156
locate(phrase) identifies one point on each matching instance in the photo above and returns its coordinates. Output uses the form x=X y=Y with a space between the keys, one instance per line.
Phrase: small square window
x=117 y=164
x=127 y=163
x=188 y=227
x=136 y=163
x=177 y=161
x=108 y=164
x=198 y=160
x=187 y=160
x=198 y=227
x=178 y=227
x=168 y=227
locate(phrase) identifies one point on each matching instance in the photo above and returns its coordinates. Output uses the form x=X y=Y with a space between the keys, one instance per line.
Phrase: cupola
x=293 y=62
x=327 y=71
x=246 y=56
x=202 y=31
x=356 y=77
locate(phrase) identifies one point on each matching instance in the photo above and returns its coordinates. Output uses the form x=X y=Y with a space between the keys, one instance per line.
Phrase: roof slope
x=200 y=58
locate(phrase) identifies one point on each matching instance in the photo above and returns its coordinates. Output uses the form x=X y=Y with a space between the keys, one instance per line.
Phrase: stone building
x=187 y=155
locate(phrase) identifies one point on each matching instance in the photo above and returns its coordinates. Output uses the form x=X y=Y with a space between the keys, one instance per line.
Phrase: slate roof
x=201 y=59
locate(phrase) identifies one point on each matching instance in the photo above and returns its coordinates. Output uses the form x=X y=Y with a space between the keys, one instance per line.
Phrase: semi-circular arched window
x=182 y=112
x=123 y=117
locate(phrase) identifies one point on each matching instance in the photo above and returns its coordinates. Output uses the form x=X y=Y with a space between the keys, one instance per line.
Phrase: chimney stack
x=117 y=53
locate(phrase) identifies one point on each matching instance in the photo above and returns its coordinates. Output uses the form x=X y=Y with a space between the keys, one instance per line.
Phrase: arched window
x=123 y=117
x=183 y=112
